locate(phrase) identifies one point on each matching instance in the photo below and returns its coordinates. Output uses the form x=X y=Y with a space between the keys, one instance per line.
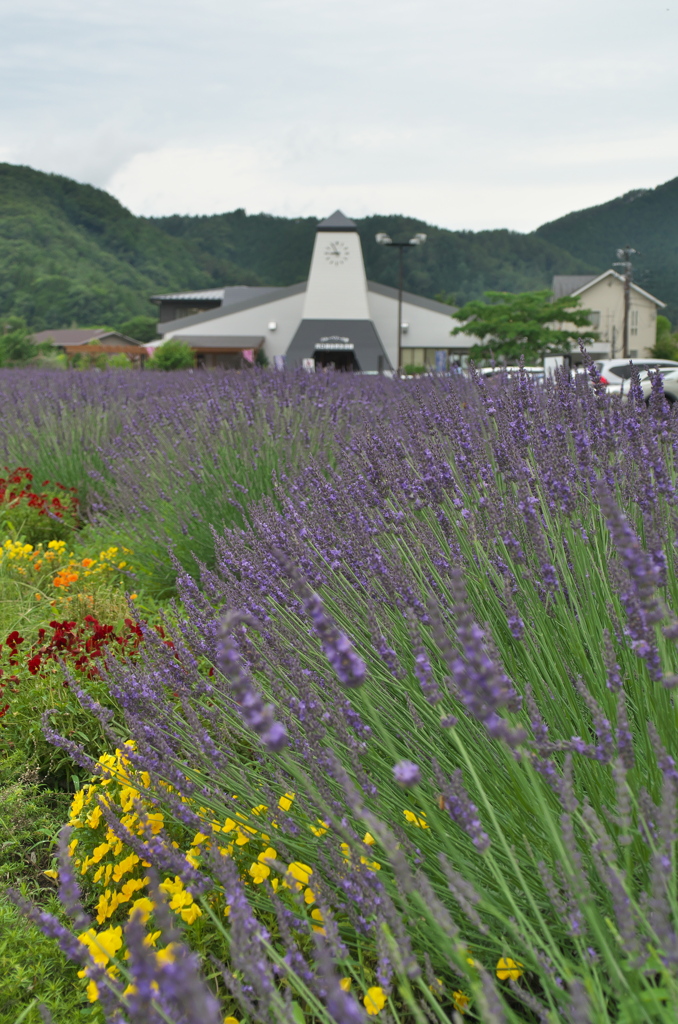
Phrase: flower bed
x=442 y=702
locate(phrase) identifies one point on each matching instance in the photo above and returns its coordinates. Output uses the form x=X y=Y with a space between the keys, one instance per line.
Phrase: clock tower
x=336 y=328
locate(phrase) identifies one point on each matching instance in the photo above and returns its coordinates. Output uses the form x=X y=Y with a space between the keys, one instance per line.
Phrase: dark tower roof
x=337 y=222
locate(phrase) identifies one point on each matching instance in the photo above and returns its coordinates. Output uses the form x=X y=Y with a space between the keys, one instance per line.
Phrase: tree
x=666 y=344
x=141 y=328
x=511 y=326
x=173 y=355
x=16 y=341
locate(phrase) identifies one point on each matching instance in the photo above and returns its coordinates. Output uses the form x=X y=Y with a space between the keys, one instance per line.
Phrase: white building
x=336 y=317
x=603 y=294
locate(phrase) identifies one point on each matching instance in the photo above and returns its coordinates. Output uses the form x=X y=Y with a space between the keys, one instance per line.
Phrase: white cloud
x=468 y=114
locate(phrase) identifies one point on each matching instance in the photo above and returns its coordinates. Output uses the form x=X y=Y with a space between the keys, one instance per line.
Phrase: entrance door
x=341 y=359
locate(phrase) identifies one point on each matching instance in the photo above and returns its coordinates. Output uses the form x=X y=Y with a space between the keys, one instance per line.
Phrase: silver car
x=615 y=374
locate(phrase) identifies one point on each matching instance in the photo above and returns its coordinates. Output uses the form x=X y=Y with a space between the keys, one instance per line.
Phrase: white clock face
x=336 y=253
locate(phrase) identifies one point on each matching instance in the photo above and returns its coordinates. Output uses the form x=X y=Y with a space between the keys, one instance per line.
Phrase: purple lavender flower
x=255 y=713
x=407 y=774
x=349 y=666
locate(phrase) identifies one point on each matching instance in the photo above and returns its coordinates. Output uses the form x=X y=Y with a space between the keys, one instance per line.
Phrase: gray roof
x=263 y=296
x=226 y=342
x=362 y=334
x=337 y=222
x=565 y=284
x=226 y=296
x=411 y=298
x=81 y=336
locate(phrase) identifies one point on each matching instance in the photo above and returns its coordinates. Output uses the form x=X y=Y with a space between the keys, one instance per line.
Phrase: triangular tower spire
x=337 y=222
x=337 y=325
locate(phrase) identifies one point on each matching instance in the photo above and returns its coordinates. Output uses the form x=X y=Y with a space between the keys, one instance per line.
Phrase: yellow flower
x=373 y=865
x=92 y=990
x=369 y=839
x=268 y=854
x=375 y=1000
x=191 y=914
x=181 y=900
x=258 y=872
x=460 y=1001
x=108 y=904
x=124 y=866
x=94 y=817
x=51 y=874
x=285 y=802
x=133 y=597
x=321 y=828
x=171 y=886
x=199 y=838
x=104 y=945
x=414 y=819
x=167 y=955
x=77 y=803
x=317 y=915
x=507 y=968
x=144 y=906
x=300 y=872
x=99 y=852
x=309 y=896
x=131 y=886
x=231 y=1020
x=345 y=983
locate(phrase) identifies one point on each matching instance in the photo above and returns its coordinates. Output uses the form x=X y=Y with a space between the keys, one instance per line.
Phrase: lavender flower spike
x=253 y=711
x=338 y=649
x=407 y=774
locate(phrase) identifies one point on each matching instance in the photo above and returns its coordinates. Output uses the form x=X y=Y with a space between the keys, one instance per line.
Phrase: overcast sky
x=467 y=113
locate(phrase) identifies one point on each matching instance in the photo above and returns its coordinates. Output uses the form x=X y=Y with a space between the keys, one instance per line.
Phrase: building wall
x=426 y=329
x=606 y=300
x=285 y=313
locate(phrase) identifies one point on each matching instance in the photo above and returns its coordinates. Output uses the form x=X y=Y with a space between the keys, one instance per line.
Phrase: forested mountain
x=646 y=219
x=71 y=254
x=459 y=264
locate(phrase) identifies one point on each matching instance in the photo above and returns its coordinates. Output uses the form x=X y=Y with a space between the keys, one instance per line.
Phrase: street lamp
x=384 y=239
x=624 y=256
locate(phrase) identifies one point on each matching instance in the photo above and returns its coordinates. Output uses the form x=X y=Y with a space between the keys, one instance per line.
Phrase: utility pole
x=384 y=239
x=624 y=256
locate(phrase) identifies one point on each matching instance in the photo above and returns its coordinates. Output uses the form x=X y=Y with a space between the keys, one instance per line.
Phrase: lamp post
x=384 y=239
x=624 y=256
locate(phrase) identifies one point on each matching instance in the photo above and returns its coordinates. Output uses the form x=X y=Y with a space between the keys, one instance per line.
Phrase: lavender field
x=387 y=728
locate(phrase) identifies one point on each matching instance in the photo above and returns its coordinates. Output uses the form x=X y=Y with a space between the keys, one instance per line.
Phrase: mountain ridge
x=71 y=254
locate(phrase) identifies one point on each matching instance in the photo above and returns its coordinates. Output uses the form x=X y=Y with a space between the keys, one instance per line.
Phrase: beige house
x=603 y=294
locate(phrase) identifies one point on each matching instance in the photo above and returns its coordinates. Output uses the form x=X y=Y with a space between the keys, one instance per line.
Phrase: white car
x=531 y=371
x=615 y=374
x=669 y=385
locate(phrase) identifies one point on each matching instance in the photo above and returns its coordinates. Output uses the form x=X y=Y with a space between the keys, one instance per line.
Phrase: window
x=625 y=370
x=633 y=321
x=594 y=319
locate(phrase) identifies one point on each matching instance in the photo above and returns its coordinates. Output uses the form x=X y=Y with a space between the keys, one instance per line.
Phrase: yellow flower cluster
x=60 y=567
x=118 y=875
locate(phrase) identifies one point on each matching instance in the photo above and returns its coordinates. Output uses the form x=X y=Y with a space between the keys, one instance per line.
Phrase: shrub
x=173 y=355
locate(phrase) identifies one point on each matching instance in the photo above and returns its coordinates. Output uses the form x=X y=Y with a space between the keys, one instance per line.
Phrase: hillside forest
x=72 y=255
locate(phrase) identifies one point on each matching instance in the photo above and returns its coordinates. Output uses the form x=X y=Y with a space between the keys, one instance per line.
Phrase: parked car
x=669 y=383
x=616 y=373
x=492 y=371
